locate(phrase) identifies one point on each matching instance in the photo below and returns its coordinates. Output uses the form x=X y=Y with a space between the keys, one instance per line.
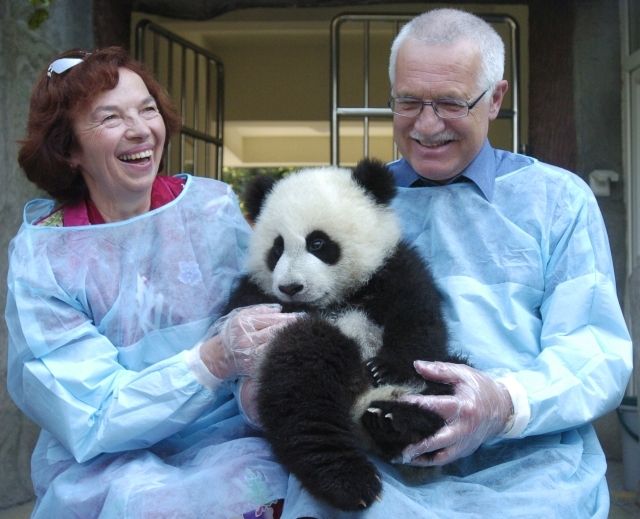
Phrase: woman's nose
x=137 y=127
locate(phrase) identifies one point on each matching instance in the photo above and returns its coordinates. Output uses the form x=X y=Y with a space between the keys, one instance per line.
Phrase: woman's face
x=121 y=138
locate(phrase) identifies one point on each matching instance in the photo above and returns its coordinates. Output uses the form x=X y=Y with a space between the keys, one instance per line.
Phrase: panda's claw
x=373 y=371
x=377 y=371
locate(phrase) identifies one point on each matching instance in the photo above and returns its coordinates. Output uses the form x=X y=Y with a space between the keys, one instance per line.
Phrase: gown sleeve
x=82 y=395
x=585 y=354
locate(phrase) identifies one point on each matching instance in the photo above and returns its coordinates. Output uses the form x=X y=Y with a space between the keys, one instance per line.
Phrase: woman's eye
x=149 y=112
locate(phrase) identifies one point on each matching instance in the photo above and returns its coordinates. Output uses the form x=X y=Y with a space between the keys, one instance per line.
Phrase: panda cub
x=327 y=243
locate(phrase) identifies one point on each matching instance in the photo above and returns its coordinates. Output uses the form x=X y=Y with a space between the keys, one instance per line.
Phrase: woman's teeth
x=128 y=157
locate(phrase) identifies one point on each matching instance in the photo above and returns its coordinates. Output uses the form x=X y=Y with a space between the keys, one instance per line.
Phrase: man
x=520 y=252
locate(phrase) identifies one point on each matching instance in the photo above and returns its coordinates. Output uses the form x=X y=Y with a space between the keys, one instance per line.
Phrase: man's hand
x=479 y=410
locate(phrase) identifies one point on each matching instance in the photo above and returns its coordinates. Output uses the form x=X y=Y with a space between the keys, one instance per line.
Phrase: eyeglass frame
x=434 y=105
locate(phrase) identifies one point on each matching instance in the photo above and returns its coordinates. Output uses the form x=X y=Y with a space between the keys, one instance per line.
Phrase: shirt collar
x=481 y=171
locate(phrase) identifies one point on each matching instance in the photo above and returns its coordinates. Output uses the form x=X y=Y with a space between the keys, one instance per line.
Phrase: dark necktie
x=425 y=182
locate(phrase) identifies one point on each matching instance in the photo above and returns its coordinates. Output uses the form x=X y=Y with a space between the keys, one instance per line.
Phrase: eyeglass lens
x=60 y=66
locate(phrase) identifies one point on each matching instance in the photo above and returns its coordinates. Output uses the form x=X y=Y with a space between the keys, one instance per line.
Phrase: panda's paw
x=375 y=419
x=353 y=486
x=394 y=425
x=379 y=423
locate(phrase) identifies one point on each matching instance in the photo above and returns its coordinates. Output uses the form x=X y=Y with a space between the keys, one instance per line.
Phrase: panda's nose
x=291 y=289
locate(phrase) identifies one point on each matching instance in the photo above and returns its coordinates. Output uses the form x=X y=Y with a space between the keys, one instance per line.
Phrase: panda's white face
x=319 y=237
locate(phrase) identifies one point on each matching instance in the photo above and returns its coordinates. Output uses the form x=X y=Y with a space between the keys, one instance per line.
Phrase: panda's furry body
x=327 y=243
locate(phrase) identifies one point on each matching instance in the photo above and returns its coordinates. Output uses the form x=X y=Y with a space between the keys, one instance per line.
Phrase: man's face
x=436 y=148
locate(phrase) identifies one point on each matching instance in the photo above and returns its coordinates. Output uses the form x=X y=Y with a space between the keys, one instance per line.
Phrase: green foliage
x=39 y=14
x=238 y=178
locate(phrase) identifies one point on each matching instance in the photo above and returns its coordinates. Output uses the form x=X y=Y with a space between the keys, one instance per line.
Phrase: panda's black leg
x=394 y=425
x=309 y=380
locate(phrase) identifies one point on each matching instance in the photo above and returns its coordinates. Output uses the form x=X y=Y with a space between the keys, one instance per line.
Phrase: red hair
x=44 y=153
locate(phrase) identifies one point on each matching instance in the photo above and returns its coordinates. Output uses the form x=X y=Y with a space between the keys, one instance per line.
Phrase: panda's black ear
x=255 y=193
x=376 y=178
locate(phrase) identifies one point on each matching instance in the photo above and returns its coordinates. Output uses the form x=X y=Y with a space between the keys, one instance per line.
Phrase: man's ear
x=497 y=96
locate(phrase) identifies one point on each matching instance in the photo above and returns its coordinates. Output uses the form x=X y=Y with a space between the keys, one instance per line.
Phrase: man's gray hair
x=447 y=26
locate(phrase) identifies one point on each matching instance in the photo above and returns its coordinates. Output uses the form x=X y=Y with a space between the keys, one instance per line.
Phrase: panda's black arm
x=406 y=302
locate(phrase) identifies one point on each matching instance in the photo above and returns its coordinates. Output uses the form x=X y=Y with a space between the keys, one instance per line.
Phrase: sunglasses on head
x=60 y=66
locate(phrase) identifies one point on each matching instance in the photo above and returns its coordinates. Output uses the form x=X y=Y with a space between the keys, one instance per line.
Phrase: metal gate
x=370 y=109
x=194 y=79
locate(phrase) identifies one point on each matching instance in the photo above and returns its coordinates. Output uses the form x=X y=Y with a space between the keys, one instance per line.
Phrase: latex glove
x=479 y=410
x=239 y=338
x=246 y=392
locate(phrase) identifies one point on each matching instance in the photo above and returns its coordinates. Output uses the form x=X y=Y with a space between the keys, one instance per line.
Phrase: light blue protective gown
x=102 y=322
x=520 y=252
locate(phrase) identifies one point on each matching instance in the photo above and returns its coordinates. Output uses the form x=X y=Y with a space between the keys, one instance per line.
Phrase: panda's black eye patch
x=322 y=247
x=275 y=252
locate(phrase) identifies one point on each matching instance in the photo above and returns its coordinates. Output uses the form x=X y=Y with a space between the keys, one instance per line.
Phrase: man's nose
x=428 y=118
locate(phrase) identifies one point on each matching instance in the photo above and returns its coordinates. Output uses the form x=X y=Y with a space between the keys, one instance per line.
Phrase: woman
x=113 y=291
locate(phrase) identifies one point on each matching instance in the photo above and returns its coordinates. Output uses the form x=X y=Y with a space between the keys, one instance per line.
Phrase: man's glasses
x=60 y=66
x=444 y=108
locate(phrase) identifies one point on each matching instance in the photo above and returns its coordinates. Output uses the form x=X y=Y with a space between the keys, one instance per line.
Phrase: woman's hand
x=246 y=395
x=479 y=410
x=240 y=338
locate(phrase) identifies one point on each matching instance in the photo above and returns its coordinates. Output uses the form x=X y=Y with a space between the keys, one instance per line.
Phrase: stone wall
x=23 y=53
